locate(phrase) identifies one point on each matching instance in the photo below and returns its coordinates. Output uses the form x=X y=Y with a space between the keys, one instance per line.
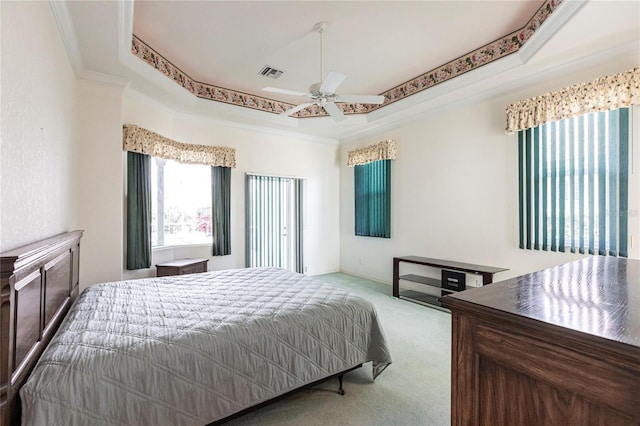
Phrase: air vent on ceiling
x=270 y=72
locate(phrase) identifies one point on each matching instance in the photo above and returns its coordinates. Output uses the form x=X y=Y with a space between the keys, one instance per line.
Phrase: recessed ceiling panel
x=377 y=45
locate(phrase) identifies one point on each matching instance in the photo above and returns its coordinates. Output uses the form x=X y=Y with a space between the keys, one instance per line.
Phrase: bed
x=193 y=349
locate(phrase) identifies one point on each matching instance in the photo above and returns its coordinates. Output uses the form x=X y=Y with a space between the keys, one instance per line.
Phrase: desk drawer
x=194 y=269
x=181 y=267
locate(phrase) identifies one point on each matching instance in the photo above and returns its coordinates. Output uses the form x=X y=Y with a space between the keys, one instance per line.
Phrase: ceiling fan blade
x=296 y=108
x=284 y=91
x=334 y=111
x=361 y=99
x=331 y=82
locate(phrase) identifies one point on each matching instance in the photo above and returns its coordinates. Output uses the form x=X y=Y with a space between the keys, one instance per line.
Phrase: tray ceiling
x=216 y=50
x=423 y=55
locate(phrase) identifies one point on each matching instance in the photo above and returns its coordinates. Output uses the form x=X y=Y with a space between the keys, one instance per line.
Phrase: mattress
x=193 y=349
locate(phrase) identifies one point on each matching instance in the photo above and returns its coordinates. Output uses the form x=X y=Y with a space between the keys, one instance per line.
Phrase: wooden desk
x=181 y=267
x=555 y=347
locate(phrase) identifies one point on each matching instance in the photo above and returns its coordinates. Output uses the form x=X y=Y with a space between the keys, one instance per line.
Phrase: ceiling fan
x=324 y=93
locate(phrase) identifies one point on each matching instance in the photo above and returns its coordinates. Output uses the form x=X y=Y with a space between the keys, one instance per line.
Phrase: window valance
x=385 y=150
x=138 y=139
x=603 y=94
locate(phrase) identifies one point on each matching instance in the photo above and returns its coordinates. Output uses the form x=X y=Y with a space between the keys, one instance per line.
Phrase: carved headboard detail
x=38 y=284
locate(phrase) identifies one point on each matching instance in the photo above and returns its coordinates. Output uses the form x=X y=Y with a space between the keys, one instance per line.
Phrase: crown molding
x=67 y=31
x=200 y=112
x=456 y=97
x=552 y=24
x=125 y=29
x=490 y=53
x=262 y=129
x=104 y=78
x=470 y=88
x=473 y=82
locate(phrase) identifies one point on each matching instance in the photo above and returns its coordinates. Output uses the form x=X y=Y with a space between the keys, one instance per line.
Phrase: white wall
x=455 y=189
x=62 y=168
x=257 y=151
x=37 y=150
x=100 y=182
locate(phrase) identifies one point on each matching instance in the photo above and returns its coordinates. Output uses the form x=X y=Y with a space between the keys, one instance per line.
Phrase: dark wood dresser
x=555 y=347
x=181 y=267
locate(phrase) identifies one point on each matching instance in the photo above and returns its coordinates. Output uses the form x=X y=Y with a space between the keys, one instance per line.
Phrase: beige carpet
x=414 y=390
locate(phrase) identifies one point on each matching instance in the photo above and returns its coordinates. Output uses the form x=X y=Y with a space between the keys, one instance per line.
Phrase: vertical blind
x=373 y=199
x=274 y=222
x=573 y=184
x=298 y=202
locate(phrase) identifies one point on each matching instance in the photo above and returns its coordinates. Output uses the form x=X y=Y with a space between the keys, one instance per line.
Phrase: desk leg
x=396 y=277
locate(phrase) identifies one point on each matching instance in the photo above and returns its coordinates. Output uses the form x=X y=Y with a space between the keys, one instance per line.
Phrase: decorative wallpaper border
x=493 y=51
x=204 y=90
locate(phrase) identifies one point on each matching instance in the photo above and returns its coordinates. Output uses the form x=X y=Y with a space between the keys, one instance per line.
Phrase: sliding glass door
x=274 y=222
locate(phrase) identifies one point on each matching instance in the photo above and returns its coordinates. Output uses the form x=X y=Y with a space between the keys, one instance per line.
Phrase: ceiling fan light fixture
x=324 y=94
x=321 y=27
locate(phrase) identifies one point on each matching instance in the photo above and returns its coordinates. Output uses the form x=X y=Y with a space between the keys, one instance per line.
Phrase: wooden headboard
x=38 y=284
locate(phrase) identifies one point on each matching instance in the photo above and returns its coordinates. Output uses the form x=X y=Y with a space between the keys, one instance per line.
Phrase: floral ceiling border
x=493 y=51
x=203 y=90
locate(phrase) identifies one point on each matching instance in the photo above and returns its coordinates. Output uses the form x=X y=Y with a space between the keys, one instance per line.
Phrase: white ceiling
x=376 y=44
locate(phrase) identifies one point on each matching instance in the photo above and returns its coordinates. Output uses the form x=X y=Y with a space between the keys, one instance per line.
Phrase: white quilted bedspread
x=192 y=349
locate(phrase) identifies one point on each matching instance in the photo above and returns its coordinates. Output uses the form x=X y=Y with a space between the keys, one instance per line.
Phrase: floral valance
x=137 y=139
x=385 y=150
x=606 y=93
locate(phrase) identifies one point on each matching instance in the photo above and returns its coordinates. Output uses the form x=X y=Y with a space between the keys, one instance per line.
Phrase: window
x=175 y=203
x=180 y=203
x=573 y=184
x=373 y=199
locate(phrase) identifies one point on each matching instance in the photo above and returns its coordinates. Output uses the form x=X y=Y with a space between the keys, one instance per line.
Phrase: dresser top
x=597 y=295
x=181 y=262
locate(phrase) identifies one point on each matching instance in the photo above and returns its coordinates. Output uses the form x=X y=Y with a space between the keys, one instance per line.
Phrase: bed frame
x=38 y=284
x=253 y=408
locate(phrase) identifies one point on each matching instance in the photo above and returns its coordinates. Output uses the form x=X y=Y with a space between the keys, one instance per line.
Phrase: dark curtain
x=373 y=199
x=138 y=211
x=221 y=210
